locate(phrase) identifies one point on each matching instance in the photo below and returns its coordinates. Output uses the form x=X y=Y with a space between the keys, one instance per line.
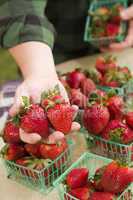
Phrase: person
x=29 y=36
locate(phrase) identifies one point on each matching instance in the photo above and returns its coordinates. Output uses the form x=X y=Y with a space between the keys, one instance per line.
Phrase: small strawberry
x=93 y=74
x=104 y=63
x=75 y=78
x=13 y=152
x=129 y=119
x=11 y=133
x=87 y=86
x=112 y=29
x=82 y=193
x=77 y=178
x=34 y=120
x=33 y=150
x=115 y=106
x=78 y=98
x=102 y=196
x=96 y=118
x=52 y=151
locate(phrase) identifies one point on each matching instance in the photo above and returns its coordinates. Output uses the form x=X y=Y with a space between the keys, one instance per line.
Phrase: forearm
x=35 y=59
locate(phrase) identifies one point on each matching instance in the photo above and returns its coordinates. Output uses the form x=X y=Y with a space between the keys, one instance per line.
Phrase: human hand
x=126 y=15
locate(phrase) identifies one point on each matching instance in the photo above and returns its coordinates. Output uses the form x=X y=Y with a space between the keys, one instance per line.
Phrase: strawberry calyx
x=26 y=103
x=116 y=134
x=50 y=93
x=4 y=151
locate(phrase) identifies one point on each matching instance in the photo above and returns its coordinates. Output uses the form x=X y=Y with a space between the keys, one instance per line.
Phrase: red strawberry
x=102 y=63
x=13 y=152
x=75 y=78
x=113 y=84
x=129 y=119
x=112 y=29
x=52 y=151
x=78 y=177
x=82 y=193
x=118 y=131
x=87 y=86
x=11 y=133
x=78 y=98
x=115 y=106
x=33 y=149
x=102 y=196
x=96 y=118
x=35 y=121
x=61 y=117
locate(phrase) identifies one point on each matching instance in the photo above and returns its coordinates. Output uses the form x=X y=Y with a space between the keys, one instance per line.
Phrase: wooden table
x=10 y=190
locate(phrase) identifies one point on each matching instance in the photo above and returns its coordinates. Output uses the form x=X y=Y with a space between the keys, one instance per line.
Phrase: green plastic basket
x=119 y=91
x=92 y=162
x=110 y=149
x=104 y=41
x=41 y=181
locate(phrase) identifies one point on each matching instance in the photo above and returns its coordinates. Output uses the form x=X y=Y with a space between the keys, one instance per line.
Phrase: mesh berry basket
x=110 y=149
x=104 y=41
x=92 y=162
x=41 y=181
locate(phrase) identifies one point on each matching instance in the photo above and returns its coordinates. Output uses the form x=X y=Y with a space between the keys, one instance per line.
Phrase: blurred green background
x=8 y=68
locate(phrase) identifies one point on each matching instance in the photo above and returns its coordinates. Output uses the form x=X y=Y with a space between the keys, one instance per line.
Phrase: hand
x=33 y=87
x=127 y=15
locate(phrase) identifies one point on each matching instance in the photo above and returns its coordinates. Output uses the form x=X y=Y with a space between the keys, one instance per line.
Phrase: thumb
x=127 y=14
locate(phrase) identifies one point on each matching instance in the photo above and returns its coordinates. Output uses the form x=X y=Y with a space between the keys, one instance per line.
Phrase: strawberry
x=75 y=78
x=115 y=106
x=93 y=74
x=102 y=196
x=32 y=164
x=11 y=133
x=13 y=152
x=82 y=193
x=96 y=118
x=87 y=86
x=52 y=151
x=34 y=120
x=129 y=119
x=117 y=131
x=78 y=98
x=112 y=29
x=104 y=63
x=33 y=150
x=77 y=178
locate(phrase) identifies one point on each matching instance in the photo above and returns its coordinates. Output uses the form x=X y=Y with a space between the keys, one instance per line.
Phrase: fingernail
x=124 y=14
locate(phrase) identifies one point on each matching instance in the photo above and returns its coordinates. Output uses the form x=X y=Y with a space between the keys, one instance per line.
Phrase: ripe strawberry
x=104 y=63
x=77 y=178
x=129 y=119
x=82 y=193
x=78 y=98
x=112 y=29
x=33 y=150
x=93 y=74
x=115 y=106
x=61 y=117
x=35 y=121
x=117 y=131
x=13 y=152
x=102 y=196
x=52 y=151
x=11 y=133
x=112 y=84
x=75 y=78
x=87 y=86
x=96 y=118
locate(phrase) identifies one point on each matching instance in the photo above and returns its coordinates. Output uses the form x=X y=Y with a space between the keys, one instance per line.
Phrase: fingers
x=127 y=13
x=32 y=138
x=75 y=126
x=63 y=92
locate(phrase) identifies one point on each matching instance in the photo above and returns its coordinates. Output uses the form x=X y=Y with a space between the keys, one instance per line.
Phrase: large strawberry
x=87 y=86
x=11 y=133
x=96 y=118
x=77 y=177
x=82 y=193
x=13 y=152
x=52 y=151
x=118 y=131
x=75 y=78
x=129 y=119
x=34 y=120
x=115 y=106
x=78 y=98
x=33 y=149
x=102 y=196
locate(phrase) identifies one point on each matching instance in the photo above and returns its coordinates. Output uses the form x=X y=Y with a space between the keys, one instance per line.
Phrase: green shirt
x=54 y=21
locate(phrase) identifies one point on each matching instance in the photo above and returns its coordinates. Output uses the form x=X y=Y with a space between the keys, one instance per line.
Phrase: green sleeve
x=24 y=20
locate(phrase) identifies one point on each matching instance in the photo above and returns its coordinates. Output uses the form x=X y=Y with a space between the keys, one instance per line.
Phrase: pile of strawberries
x=107 y=183
x=80 y=84
x=36 y=136
x=106 y=22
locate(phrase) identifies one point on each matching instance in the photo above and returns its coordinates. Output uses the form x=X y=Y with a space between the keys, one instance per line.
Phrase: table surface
x=10 y=190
